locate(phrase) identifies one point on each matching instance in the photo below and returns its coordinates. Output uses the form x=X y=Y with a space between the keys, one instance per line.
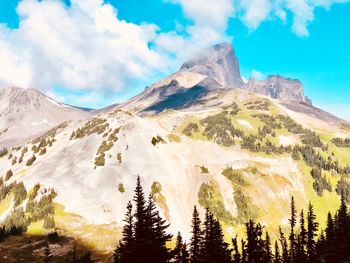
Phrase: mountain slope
x=25 y=113
x=192 y=141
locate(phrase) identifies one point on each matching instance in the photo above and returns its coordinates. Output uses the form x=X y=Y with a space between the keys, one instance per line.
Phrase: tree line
x=145 y=238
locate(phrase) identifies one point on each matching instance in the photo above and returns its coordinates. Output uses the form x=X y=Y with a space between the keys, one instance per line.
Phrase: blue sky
x=84 y=63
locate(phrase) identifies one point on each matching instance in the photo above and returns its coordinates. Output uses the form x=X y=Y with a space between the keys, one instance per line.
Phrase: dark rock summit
x=219 y=63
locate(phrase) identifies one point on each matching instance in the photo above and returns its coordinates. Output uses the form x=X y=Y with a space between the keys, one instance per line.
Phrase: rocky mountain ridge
x=25 y=113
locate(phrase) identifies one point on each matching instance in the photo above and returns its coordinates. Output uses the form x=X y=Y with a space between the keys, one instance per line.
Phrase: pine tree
x=284 y=244
x=268 y=252
x=125 y=250
x=321 y=246
x=277 y=256
x=180 y=254
x=196 y=239
x=141 y=244
x=236 y=253
x=255 y=243
x=244 y=251
x=330 y=240
x=157 y=252
x=301 y=255
x=292 y=222
x=342 y=229
x=219 y=251
x=312 y=227
x=207 y=241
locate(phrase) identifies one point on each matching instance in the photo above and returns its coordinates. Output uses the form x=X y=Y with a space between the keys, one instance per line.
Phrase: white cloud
x=209 y=13
x=254 y=12
x=84 y=46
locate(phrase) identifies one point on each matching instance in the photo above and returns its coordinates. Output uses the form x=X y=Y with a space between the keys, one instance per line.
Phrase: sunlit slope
x=233 y=152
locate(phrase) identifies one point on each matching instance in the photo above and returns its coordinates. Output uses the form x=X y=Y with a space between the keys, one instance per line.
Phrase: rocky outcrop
x=278 y=87
x=219 y=63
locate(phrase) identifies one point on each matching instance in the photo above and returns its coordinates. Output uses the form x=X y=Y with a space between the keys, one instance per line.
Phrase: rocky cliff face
x=278 y=87
x=219 y=63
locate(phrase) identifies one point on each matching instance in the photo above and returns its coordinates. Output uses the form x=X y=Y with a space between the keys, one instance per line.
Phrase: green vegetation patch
x=31 y=160
x=100 y=160
x=3 y=152
x=210 y=197
x=235 y=177
x=339 y=142
x=121 y=188
x=190 y=128
x=321 y=182
x=156 y=140
x=96 y=125
x=174 y=138
x=343 y=187
x=246 y=209
x=204 y=170
x=159 y=198
x=219 y=128
x=262 y=105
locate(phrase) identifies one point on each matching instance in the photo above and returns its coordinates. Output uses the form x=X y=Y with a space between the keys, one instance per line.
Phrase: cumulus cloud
x=84 y=46
x=254 y=12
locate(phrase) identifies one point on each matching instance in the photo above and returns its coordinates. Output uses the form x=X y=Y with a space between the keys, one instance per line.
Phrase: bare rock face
x=278 y=87
x=218 y=62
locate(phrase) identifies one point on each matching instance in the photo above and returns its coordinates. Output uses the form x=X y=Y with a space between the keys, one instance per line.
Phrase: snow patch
x=57 y=103
x=245 y=124
x=44 y=121
x=286 y=140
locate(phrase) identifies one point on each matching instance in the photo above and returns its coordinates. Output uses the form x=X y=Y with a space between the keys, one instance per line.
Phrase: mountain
x=213 y=69
x=193 y=141
x=25 y=113
x=278 y=87
x=218 y=63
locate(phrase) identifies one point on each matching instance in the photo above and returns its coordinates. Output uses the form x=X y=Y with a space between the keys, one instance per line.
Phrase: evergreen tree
x=196 y=239
x=144 y=235
x=157 y=236
x=236 y=253
x=180 y=254
x=268 y=252
x=125 y=250
x=292 y=222
x=342 y=230
x=321 y=246
x=312 y=227
x=219 y=251
x=277 y=256
x=141 y=229
x=284 y=245
x=207 y=241
x=330 y=239
x=244 y=251
x=255 y=243
x=301 y=255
